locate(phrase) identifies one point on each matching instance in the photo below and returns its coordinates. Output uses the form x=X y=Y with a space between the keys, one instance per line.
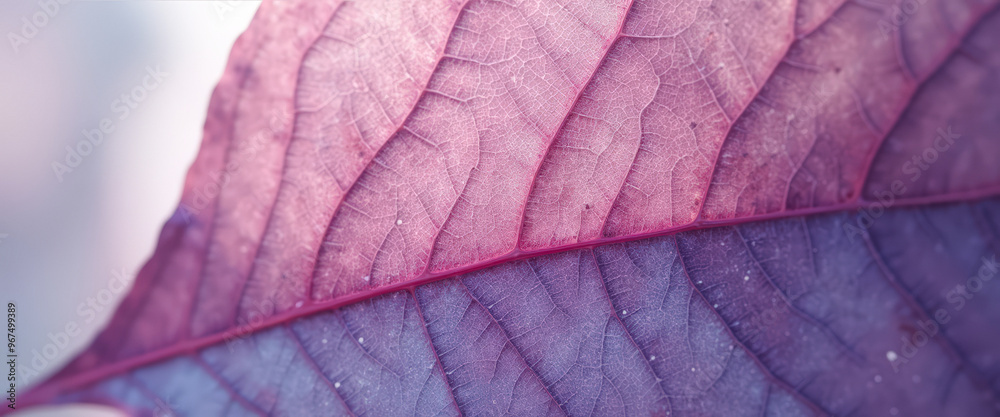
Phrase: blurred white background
x=61 y=241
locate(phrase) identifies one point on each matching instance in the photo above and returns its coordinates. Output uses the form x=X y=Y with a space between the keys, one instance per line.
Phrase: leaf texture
x=782 y=317
x=410 y=207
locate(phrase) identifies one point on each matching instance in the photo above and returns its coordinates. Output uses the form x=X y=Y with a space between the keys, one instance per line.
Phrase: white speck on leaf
x=361 y=340
x=891 y=356
x=336 y=385
x=298 y=304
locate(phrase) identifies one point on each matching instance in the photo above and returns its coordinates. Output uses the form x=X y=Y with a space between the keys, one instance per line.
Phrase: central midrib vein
x=46 y=391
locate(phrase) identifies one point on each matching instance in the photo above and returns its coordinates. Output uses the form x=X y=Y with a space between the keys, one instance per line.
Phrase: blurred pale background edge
x=62 y=241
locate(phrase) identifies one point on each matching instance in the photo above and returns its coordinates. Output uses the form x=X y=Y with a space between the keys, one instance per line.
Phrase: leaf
x=697 y=208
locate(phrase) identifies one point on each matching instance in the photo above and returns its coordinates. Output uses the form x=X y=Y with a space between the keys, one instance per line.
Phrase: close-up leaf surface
x=727 y=207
